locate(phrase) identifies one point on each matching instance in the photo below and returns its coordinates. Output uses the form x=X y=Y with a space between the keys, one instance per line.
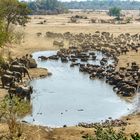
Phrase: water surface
x=69 y=96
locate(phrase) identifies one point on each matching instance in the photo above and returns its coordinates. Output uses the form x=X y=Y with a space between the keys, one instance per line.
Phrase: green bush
x=135 y=136
x=10 y=112
x=106 y=134
x=109 y=133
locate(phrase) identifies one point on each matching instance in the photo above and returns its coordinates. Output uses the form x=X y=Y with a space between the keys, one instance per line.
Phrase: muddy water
x=69 y=96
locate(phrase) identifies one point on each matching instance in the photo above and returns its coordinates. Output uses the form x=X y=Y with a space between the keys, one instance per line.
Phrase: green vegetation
x=103 y=4
x=128 y=19
x=106 y=134
x=13 y=12
x=46 y=7
x=115 y=11
x=3 y=34
x=10 y=110
x=109 y=133
x=57 y=7
x=135 y=136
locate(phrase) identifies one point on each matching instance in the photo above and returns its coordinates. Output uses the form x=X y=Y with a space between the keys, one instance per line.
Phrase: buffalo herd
x=12 y=74
x=124 y=80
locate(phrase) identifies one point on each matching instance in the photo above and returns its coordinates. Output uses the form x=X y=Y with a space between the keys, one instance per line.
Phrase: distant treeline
x=46 y=7
x=57 y=7
x=103 y=4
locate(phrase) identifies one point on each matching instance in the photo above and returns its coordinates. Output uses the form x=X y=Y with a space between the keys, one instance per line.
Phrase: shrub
x=135 y=136
x=73 y=20
x=10 y=110
x=128 y=19
x=109 y=133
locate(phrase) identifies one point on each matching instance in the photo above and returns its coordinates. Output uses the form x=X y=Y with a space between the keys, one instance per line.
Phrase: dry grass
x=59 y=24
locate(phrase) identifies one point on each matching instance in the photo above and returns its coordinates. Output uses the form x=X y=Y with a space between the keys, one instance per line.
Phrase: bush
x=128 y=20
x=73 y=20
x=109 y=133
x=10 y=110
x=135 y=136
x=106 y=134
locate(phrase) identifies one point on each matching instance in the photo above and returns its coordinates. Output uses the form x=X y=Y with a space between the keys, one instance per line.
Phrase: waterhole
x=69 y=96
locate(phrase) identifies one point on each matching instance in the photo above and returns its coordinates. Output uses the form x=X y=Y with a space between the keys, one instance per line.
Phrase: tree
x=102 y=4
x=46 y=6
x=115 y=11
x=13 y=12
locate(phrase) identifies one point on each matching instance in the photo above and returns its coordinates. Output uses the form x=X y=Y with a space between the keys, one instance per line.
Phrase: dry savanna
x=49 y=32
